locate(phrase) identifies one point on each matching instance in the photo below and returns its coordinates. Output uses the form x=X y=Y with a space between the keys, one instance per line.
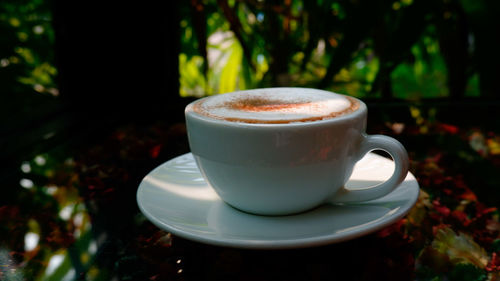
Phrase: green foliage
x=400 y=49
x=26 y=48
x=467 y=272
x=192 y=82
x=228 y=80
x=426 y=77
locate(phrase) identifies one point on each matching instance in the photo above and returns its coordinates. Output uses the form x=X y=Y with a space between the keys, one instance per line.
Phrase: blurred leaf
x=460 y=248
x=229 y=75
x=236 y=27
x=192 y=81
x=62 y=271
x=467 y=272
x=494 y=146
x=426 y=78
x=472 y=6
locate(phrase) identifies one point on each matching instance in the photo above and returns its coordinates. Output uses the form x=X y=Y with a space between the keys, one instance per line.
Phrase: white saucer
x=176 y=198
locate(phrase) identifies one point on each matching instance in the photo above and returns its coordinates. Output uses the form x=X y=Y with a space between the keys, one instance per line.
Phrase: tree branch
x=235 y=26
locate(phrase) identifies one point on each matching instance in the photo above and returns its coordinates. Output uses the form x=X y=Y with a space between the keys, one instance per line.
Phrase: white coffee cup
x=287 y=165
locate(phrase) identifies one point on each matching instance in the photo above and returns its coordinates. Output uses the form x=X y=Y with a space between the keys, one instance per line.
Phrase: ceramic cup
x=287 y=168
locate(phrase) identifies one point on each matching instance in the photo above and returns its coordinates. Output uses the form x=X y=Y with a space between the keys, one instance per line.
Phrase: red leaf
x=448 y=128
x=436 y=228
x=488 y=210
x=155 y=151
x=448 y=191
x=494 y=264
x=443 y=210
x=468 y=195
x=461 y=217
x=394 y=228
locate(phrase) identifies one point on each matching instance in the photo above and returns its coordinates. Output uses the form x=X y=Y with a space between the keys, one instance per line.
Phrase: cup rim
x=360 y=111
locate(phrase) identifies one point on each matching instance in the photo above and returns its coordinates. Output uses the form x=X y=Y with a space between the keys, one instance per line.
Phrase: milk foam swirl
x=276 y=105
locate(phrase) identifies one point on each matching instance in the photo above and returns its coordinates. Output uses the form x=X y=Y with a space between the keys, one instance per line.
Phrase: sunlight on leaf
x=460 y=248
x=192 y=82
x=229 y=74
x=15 y=22
x=419 y=212
x=59 y=268
x=30 y=241
x=477 y=141
x=54 y=262
x=26 y=54
x=494 y=146
x=26 y=183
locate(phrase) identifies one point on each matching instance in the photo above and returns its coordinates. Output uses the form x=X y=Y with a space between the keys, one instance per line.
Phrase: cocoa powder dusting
x=256 y=104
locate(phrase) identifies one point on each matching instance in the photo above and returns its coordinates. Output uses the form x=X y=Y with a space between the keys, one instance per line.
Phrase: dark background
x=92 y=96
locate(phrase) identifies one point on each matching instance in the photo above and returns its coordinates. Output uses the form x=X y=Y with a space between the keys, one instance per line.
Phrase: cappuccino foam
x=276 y=105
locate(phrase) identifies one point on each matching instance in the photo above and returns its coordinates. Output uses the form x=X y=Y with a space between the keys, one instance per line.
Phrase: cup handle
x=400 y=158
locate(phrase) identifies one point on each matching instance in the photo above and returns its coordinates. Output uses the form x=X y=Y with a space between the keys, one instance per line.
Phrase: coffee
x=279 y=105
x=292 y=165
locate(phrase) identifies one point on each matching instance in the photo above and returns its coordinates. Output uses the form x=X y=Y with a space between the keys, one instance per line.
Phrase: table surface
x=72 y=214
